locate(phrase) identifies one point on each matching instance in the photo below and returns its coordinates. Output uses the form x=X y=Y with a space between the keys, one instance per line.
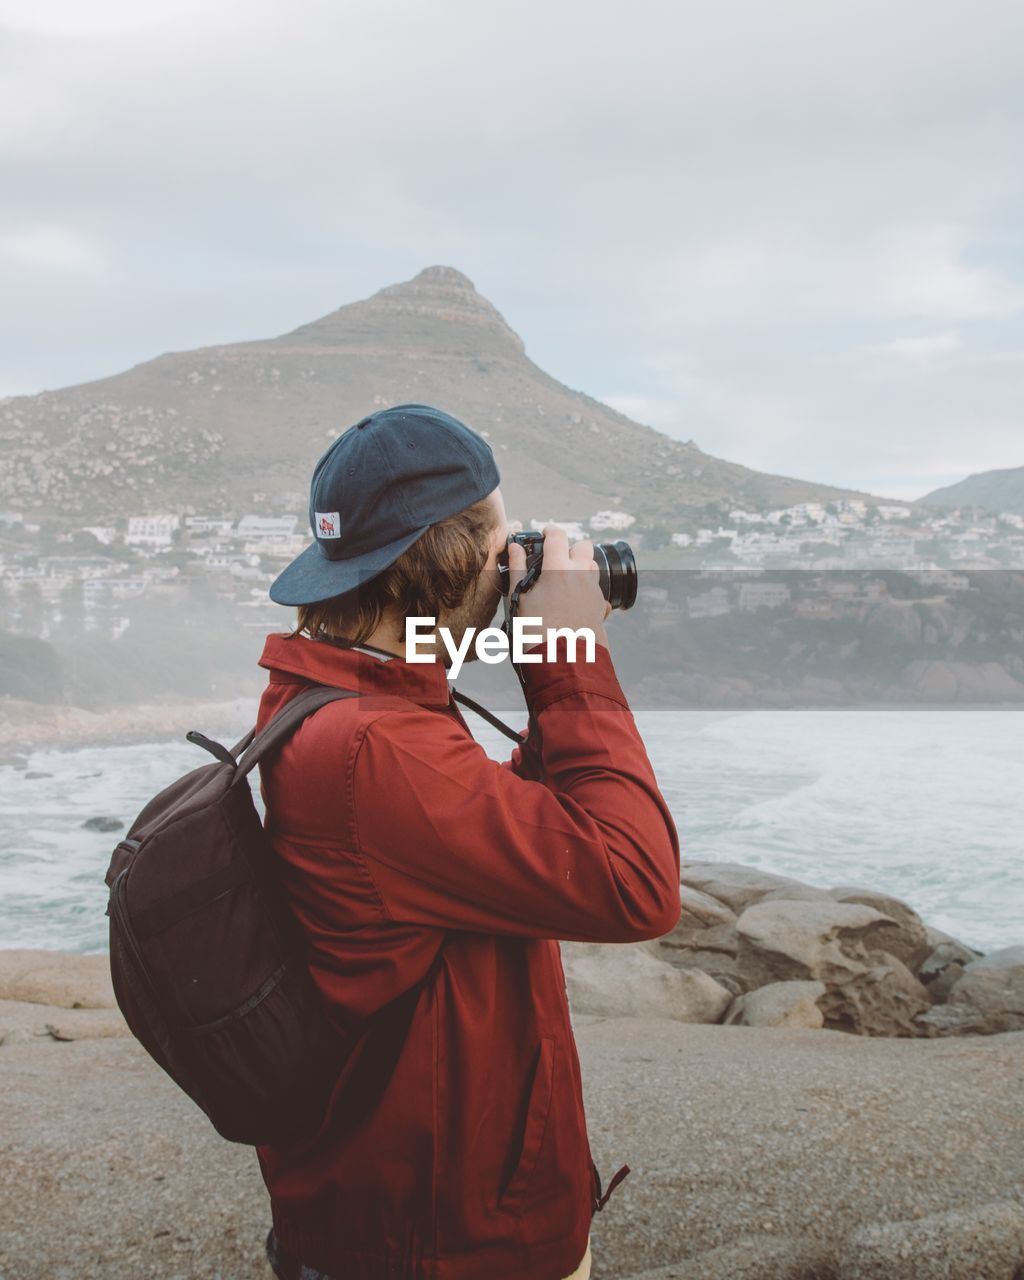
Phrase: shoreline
x=33 y=726
x=26 y=726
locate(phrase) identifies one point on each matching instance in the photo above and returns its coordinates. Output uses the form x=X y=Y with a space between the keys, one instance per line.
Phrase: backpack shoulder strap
x=281 y=726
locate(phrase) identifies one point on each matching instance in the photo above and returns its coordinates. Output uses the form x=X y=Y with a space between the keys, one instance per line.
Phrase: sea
x=925 y=804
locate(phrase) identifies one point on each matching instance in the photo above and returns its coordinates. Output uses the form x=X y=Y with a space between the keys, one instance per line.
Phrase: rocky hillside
x=240 y=426
x=993 y=490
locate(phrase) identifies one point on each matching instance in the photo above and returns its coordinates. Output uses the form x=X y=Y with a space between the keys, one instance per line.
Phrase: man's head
x=449 y=573
x=407 y=521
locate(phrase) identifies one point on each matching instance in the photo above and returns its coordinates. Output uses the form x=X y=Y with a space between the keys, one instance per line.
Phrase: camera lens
x=616 y=567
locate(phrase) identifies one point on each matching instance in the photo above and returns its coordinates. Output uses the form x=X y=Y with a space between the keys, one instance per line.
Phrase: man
x=432 y=883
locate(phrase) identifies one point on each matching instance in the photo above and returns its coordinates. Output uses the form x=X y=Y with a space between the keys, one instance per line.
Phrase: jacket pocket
x=510 y=1199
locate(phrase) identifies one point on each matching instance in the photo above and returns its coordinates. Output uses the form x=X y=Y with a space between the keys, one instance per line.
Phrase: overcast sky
x=793 y=232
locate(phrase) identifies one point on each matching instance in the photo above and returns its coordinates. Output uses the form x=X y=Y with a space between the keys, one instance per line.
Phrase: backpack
x=206 y=958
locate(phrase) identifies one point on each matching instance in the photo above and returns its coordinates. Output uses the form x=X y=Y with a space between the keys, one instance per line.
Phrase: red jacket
x=455 y=1146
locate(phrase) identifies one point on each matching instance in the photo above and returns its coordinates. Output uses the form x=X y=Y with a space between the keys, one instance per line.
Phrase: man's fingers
x=583 y=551
x=556 y=547
x=516 y=564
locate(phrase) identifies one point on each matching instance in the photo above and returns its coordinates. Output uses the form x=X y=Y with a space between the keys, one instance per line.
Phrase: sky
x=793 y=233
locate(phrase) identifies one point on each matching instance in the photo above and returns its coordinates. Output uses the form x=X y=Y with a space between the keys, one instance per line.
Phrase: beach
x=775 y=1153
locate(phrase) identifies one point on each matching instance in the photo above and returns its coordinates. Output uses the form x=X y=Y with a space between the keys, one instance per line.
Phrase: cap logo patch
x=328 y=524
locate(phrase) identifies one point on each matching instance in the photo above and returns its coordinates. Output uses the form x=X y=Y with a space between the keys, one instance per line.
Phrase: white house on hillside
x=151 y=531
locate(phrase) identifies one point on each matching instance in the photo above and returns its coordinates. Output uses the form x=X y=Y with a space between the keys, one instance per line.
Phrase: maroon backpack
x=206 y=958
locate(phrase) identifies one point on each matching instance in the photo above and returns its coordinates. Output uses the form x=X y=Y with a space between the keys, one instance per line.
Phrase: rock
x=825 y=941
x=736 y=885
x=700 y=910
x=868 y=991
x=721 y=938
x=986 y=1243
x=944 y=950
x=13 y=761
x=779 y=1004
x=704 y=939
x=986 y=1000
x=103 y=824
x=944 y=965
x=36 y=773
x=911 y=945
x=625 y=980
x=951 y=1020
x=712 y=951
x=939 y=987
x=53 y=978
x=796 y=893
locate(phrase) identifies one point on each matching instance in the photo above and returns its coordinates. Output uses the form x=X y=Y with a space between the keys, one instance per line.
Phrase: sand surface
x=754 y=1152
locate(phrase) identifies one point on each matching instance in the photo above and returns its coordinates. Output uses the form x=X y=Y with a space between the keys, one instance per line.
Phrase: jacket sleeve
x=456 y=840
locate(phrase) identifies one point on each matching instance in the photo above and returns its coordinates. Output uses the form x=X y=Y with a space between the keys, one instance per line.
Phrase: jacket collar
x=292 y=659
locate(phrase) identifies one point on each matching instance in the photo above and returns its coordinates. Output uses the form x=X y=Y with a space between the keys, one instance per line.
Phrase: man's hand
x=568 y=591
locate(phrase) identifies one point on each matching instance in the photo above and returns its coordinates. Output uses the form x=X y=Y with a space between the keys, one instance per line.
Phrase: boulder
x=704 y=938
x=626 y=981
x=712 y=951
x=700 y=910
x=737 y=885
x=958 y=950
x=796 y=893
x=723 y=968
x=825 y=941
x=987 y=999
x=779 y=1004
x=103 y=823
x=721 y=938
x=945 y=963
x=911 y=944
x=54 y=978
x=985 y=1243
x=868 y=990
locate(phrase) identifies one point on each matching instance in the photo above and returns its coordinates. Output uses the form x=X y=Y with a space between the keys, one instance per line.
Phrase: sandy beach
x=775 y=1153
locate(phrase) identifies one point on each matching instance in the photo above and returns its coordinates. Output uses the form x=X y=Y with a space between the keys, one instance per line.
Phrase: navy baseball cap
x=378 y=488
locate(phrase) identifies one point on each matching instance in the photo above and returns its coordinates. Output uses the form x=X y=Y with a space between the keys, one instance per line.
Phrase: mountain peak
x=442 y=277
x=438 y=296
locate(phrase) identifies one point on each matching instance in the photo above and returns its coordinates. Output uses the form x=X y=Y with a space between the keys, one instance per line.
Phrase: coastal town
x=89 y=576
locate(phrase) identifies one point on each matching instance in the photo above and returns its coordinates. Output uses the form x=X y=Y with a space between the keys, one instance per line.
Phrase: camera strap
x=511 y=604
x=524 y=584
x=490 y=717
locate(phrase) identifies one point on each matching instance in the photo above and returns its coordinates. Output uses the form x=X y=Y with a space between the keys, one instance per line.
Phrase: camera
x=616 y=567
